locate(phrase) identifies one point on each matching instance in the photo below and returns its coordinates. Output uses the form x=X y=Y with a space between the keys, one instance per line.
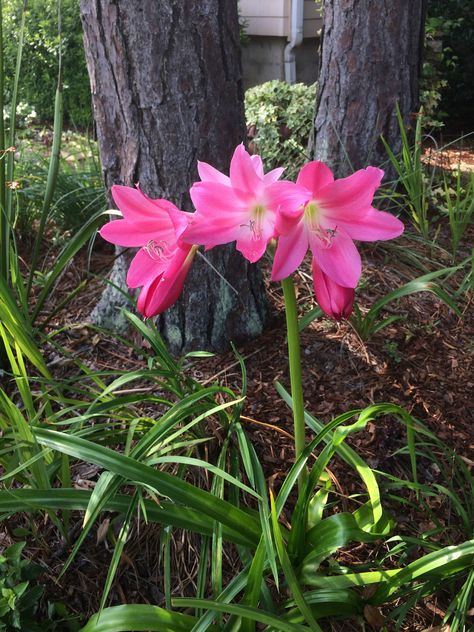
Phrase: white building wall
x=268 y=26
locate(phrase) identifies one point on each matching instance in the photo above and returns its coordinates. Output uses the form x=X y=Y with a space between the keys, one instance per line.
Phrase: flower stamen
x=325 y=236
x=157 y=250
x=256 y=230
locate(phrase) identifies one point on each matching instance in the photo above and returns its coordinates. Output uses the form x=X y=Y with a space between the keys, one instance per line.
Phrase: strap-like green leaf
x=290 y=574
x=266 y=618
x=66 y=254
x=14 y=321
x=444 y=562
x=336 y=532
x=165 y=484
x=167 y=513
x=140 y=617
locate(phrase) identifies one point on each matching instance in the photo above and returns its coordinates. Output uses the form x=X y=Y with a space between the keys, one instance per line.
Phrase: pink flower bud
x=334 y=299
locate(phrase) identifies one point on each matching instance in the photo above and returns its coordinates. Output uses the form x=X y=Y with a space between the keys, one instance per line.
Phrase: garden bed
x=423 y=362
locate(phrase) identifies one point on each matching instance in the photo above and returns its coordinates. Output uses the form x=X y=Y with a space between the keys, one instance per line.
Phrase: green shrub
x=40 y=58
x=18 y=600
x=279 y=121
x=454 y=22
x=436 y=62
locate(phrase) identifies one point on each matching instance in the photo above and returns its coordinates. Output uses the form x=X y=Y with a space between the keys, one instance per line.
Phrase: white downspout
x=296 y=37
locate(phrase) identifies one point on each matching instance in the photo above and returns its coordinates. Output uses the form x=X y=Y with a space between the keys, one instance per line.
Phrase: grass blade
x=8 y=207
x=53 y=162
x=18 y=330
x=4 y=225
x=121 y=540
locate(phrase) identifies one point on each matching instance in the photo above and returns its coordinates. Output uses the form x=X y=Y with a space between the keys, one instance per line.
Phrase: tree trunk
x=167 y=90
x=370 y=60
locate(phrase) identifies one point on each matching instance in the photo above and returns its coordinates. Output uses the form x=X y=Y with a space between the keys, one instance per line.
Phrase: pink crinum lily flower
x=239 y=207
x=329 y=216
x=162 y=263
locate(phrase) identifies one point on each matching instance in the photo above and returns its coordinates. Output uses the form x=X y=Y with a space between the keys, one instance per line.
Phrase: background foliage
x=40 y=59
x=279 y=119
x=453 y=21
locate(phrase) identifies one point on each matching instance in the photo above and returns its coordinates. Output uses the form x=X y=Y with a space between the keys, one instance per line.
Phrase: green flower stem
x=4 y=226
x=294 y=355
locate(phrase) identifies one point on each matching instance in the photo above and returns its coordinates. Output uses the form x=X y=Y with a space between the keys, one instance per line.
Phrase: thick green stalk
x=54 y=161
x=53 y=171
x=294 y=356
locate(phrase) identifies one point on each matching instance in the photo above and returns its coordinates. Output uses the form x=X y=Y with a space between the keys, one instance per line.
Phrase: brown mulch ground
x=450 y=153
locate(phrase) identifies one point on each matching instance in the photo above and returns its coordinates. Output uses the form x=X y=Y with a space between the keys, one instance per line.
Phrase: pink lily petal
x=239 y=212
x=257 y=164
x=219 y=216
x=136 y=206
x=162 y=263
x=164 y=206
x=180 y=220
x=373 y=225
x=166 y=288
x=252 y=249
x=243 y=176
x=208 y=173
x=144 y=267
x=131 y=234
x=349 y=198
x=286 y=223
x=340 y=260
x=205 y=232
x=335 y=300
x=328 y=214
x=290 y=252
x=145 y=293
x=314 y=176
x=215 y=200
x=273 y=175
x=252 y=240
x=287 y=197
x=145 y=219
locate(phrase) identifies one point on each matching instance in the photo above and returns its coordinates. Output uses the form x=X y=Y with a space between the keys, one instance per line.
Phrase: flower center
x=158 y=250
x=312 y=215
x=255 y=221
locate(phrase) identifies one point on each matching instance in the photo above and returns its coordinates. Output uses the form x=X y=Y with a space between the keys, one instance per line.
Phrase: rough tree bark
x=370 y=59
x=167 y=90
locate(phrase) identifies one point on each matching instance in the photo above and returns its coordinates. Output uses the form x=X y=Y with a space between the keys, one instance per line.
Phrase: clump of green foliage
x=40 y=58
x=452 y=23
x=79 y=190
x=279 y=121
x=18 y=598
x=436 y=62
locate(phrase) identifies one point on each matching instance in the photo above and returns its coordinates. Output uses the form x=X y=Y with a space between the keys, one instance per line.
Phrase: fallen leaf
x=374 y=617
x=102 y=530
